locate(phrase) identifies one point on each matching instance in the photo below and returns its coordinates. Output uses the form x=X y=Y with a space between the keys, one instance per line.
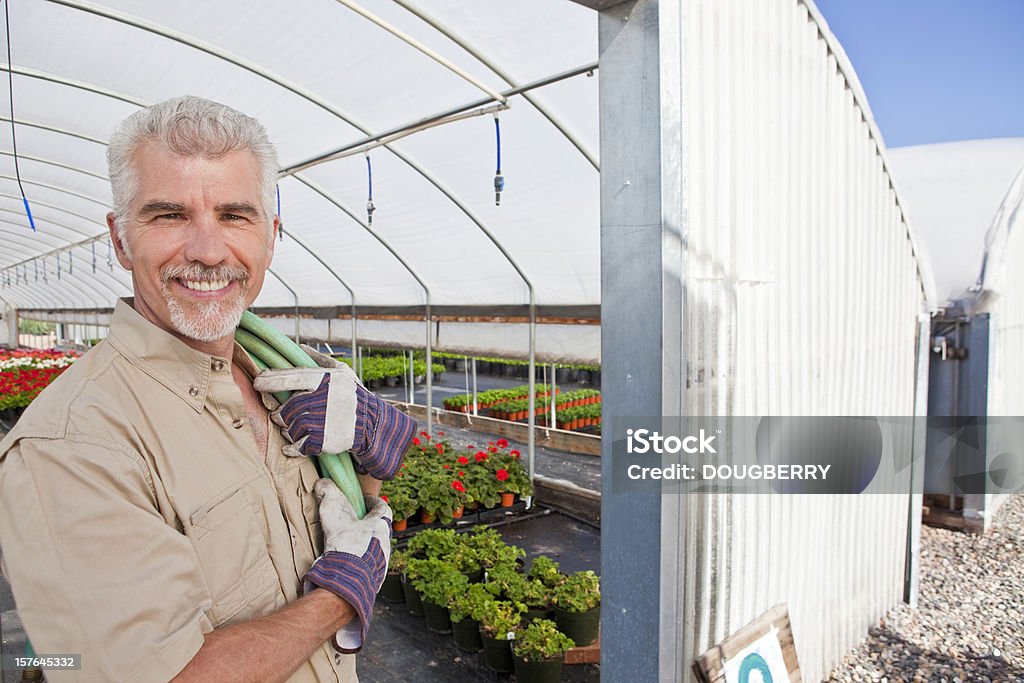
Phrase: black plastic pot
x=466 y=634
x=413 y=602
x=497 y=654
x=537 y=672
x=438 y=619
x=582 y=627
x=391 y=589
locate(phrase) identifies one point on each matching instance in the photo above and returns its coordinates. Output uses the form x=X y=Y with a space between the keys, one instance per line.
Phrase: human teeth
x=205 y=286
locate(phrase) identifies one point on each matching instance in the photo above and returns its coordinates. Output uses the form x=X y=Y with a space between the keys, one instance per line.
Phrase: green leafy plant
x=580 y=592
x=500 y=619
x=491 y=550
x=545 y=570
x=472 y=603
x=399 y=495
x=398 y=563
x=438 y=581
x=541 y=641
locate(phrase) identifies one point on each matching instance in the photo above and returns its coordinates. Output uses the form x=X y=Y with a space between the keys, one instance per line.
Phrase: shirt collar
x=167 y=359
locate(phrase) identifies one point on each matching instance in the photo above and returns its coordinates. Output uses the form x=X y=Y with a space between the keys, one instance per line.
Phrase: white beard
x=205 y=321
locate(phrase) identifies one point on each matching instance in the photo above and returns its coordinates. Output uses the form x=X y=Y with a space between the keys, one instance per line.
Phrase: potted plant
x=499 y=621
x=391 y=589
x=398 y=494
x=539 y=651
x=446 y=545
x=464 y=611
x=415 y=569
x=438 y=582
x=578 y=606
x=441 y=493
x=491 y=550
x=545 y=570
x=534 y=596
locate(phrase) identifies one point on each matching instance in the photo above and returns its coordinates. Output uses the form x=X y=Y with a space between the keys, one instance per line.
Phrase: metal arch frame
x=50 y=162
x=412 y=271
x=351 y=293
x=47 y=220
x=78 y=85
x=77 y=281
x=294 y=294
x=55 y=253
x=57 y=189
x=52 y=129
x=45 y=238
x=54 y=207
x=412 y=42
x=497 y=70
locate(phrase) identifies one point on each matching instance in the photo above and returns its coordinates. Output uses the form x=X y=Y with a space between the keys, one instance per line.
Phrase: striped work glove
x=330 y=412
x=355 y=559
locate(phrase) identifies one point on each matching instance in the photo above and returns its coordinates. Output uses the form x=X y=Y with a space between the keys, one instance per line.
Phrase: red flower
x=440 y=433
x=492 y=449
x=446 y=466
x=461 y=474
x=463 y=460
x=502 y=443
x=384 y=498
x=425 y=435
x=502 y=475
x=439 y=447
x=457 y=485
x=415 y=441
x=514 y=454
x=480 y=456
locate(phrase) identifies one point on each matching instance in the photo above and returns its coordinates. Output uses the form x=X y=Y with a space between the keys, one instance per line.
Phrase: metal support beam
x=643 y=270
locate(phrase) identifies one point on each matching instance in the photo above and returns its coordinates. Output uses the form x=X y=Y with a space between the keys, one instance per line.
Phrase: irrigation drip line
x=14 y=136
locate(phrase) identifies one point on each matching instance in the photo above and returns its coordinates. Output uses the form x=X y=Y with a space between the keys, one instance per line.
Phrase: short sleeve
x=95 y=568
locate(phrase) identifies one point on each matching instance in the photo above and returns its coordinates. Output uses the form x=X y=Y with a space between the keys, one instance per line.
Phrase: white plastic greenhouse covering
x=330 y=80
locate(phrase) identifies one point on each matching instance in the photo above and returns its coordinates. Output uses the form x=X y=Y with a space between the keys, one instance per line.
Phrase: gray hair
x=189 y=126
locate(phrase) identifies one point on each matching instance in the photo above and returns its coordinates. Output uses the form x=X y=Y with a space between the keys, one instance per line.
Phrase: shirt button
x=217 y=365
x=193 y=391
x=237 y=424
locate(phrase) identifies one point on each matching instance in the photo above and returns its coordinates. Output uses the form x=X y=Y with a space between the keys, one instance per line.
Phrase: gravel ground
x=969 y=623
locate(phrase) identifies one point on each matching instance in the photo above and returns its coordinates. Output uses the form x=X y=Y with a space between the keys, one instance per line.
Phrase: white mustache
x=197 y=272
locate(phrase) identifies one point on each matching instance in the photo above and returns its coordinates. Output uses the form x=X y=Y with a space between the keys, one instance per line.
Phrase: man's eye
x=233 y=217
x=170 y=216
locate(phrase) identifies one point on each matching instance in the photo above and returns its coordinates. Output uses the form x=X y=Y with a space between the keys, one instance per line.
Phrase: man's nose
x=205 y=243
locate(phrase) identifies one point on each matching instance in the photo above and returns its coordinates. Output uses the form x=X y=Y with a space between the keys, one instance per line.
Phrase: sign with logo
x=763 y=651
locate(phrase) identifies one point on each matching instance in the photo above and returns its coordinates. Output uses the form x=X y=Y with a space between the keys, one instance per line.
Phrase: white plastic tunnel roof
x=963 y=199
x=328 y=79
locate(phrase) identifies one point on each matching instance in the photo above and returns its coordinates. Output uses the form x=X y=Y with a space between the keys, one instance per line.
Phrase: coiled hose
x=269 y=348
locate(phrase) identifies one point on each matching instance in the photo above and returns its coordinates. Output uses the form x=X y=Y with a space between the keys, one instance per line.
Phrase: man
x=152 y=518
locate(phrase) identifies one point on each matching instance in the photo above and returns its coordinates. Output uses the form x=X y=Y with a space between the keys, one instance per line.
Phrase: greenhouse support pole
x=430 y=375
x=294 y=294
x=359 y=370
x=644 y=194
x=554 y=388
x=474 y=385
x=532 y=420
x=411 y=376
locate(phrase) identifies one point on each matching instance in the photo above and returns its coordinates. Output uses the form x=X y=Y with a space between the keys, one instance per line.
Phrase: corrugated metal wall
x=803 y=293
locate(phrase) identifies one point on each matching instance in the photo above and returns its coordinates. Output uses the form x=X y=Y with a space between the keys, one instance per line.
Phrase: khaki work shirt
x=137 y=515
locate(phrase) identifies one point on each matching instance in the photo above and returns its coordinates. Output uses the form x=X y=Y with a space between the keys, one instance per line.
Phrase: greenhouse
x=527 y=225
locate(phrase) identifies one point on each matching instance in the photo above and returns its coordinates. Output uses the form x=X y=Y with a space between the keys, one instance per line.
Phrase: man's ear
x=119 y=249
x=273 y=239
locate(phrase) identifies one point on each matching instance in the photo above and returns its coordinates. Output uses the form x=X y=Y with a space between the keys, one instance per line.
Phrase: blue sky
x=936 y=70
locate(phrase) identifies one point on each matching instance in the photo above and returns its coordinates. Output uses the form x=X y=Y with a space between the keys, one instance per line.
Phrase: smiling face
x=198 y=243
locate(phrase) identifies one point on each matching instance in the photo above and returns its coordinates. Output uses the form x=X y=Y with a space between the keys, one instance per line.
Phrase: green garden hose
x=269 y=348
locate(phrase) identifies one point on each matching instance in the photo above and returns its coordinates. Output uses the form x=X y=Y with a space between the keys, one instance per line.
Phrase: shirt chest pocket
x=233 y=556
